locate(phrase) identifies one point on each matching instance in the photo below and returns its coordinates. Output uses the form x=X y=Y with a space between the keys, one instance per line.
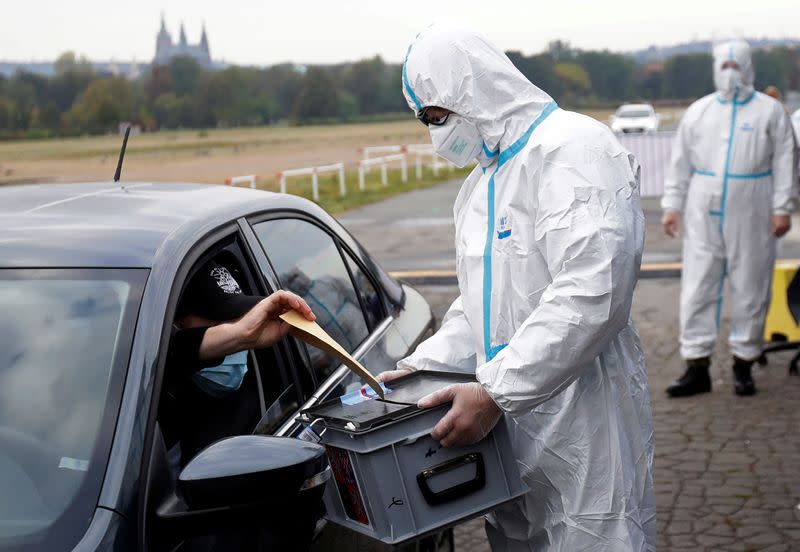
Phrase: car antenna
x=122 y=155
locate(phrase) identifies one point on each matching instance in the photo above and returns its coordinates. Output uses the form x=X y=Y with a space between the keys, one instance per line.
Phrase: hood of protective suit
x=460 y=70
x=738 y=51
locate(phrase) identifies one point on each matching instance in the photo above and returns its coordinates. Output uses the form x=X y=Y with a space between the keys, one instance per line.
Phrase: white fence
x=365 y=164
x=653 y=151
x=249 y=179
x=314 y=172
x=371 y=150
x=422 y=151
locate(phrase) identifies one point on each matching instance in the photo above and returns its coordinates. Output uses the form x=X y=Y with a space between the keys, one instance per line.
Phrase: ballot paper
x=313 y=334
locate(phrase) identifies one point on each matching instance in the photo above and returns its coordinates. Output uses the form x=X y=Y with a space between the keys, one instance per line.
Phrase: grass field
x=210 y=156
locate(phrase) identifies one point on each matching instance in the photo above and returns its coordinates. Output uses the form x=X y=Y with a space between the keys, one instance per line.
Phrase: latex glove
x=390 y=375
x=780 y=225
x=470 y=419
x=671 y=222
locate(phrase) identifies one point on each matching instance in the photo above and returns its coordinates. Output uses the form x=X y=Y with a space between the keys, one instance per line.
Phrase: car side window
x=308 y=262
x=371 y=301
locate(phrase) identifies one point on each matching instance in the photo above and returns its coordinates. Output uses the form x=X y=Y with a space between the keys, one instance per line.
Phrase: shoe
x=695 y=380
x=743 y=379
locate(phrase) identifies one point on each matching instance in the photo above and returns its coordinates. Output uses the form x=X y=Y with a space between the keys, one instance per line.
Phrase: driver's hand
x=261 y=326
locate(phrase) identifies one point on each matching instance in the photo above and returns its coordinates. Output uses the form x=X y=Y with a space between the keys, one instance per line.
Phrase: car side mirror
x=244 y=482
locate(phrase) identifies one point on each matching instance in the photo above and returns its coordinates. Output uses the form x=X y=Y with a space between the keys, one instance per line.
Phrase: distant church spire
x=166 y=49
x=204 y=39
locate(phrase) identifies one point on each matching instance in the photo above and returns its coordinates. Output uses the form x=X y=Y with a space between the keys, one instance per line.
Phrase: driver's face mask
x=457 y=140
x=222 y=380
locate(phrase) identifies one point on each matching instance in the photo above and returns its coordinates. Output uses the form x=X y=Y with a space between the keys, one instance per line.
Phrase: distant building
x=166 y=49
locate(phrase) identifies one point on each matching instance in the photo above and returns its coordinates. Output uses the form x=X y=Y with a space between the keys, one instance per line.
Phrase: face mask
x=457 y=140
x=220 y=381
x=730 y=81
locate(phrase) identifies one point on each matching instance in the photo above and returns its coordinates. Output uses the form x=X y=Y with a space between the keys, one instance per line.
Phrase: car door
x=311 y=259
x=318 y=262
x=271 y=391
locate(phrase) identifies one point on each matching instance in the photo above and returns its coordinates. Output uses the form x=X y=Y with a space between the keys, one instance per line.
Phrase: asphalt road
x=415 y=231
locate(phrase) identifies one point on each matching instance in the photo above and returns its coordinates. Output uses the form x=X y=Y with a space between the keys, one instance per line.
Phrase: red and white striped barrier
x=314 y=172
x=249 y=179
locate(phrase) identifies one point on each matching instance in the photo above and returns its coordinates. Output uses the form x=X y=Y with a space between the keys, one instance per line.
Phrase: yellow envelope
x=313 y=334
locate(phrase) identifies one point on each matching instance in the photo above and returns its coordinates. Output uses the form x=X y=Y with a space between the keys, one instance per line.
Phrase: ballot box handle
x=456 y=491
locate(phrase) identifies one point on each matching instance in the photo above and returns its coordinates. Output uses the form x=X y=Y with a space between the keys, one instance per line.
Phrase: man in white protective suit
x=732 y=180
x=549 y=235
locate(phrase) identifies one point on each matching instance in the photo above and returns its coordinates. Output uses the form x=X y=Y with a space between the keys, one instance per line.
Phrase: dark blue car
x=90 y=275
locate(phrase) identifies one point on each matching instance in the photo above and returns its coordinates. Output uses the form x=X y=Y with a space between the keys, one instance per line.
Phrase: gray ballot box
x=391 y=480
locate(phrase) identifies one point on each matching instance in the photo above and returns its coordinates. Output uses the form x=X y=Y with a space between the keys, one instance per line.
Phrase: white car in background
x=634 y=118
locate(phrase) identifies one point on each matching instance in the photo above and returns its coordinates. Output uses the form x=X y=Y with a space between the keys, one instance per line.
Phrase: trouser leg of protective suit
x=701 y=284
x=751 y=258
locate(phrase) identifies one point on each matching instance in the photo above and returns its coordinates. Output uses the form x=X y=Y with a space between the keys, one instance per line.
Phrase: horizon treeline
x=77 y=100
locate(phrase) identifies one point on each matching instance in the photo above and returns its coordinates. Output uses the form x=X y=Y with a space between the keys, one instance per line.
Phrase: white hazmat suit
x=732 y=167
x=549 y=240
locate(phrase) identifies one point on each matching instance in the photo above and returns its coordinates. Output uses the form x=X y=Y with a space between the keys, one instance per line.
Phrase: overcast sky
x=263 y=32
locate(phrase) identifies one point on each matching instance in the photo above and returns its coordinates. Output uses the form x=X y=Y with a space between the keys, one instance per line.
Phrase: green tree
x=172 y=111
x=318 y=97
x=365 y=81
x=540 y=70
x=157 y=82
x=185 y=73
x=7 y=113
x=773 y=67
x=102 y=106
x=282 y=83
x=611 y=74
x=688 y=76
x=68 y=62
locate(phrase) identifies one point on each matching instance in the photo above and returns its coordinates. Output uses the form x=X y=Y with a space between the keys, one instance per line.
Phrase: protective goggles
x=426 y=120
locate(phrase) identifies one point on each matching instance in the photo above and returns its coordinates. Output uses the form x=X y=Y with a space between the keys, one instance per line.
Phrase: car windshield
x=633 y=113
x=65 y=339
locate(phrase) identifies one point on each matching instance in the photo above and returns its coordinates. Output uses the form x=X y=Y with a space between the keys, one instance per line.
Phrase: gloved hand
x=390 y=375
x=470 y=419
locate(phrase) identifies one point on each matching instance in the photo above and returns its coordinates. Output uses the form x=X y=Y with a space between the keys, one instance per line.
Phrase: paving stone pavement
x=727 y=468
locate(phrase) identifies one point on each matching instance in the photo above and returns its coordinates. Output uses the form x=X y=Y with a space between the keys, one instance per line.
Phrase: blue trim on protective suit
x=407 y=84
x=505 y=156
x=727 y=165
x=735 y=176
x=750 y=176
x=721 y=212
x=487 y=269
x=723 y=101
x=488 y=153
